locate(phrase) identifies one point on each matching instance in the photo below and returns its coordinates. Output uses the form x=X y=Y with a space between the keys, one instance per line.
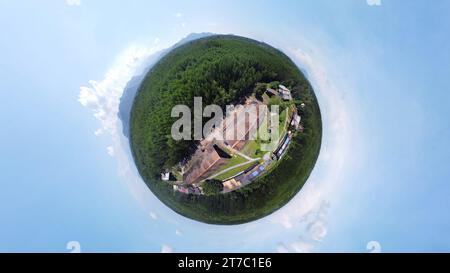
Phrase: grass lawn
x=282 y=126
x=236 y=159
x=235 y=171
x=253 y=149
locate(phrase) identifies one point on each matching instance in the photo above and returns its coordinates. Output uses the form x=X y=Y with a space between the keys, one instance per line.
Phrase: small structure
x=279 y=152
x=271 y=92
x=181 y=189
x=231 y=184
x=296 y=121
x=165 y=176
x=301 y=128
x=282 y=87
x=197 y=190
x=188 y=189
x=285 y=93
x=255 y=172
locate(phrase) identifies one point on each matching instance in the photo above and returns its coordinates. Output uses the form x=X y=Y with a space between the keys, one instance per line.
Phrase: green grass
x=253 y=149
x=234 y=171
x=282 y=127
x=235 y=160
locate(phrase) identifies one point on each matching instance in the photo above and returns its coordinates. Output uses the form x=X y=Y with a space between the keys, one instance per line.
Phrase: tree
x=274 y=84
x=212 y=187
x=259 y=90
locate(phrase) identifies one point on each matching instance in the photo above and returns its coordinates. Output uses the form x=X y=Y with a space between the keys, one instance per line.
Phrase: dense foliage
x=222 y=70
x=212 y=187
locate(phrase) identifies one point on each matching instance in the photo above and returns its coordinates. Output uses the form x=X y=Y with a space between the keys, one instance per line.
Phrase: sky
x=379 y=69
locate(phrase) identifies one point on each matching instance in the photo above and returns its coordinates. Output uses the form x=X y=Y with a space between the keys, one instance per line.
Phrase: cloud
x=286 y=221
x=178 y=14
x=153 y=215
x=374 y=2
x=183 y=25
x=110 y=150
x=306 y=215
x=311 y=226
x=178 y=232
x=103 y=97
x=73 y=2
x=299 y=246
x=166 y=249
x=317 y=230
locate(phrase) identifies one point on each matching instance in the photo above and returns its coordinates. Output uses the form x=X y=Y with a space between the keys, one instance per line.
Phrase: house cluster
x=191 y=189
x=255 y=170
x=187 y=189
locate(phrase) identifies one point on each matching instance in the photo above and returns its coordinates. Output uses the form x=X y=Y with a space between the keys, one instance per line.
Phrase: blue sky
x=380 y=74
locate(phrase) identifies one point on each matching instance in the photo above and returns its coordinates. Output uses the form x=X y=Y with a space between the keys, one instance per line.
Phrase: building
x=231 y=184
x=279 y=152
x=282 y=87
x=284 y=92
x=181 y=189
x=296 y=121
x=218 y=146
x=271 y=92
x=165 y=176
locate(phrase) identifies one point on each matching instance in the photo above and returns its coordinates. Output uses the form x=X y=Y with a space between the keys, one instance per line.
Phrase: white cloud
x=183 y=25
x=73 y=2
x=299 y=246
x=317 y=230
x=156 y=41
x=285 y=221
x=110 y=150
x=307 y=213
x=178 y=232
x=153 y=215
x=374 y=2
x=178 y=14
x=103 y=97
x=166 y=249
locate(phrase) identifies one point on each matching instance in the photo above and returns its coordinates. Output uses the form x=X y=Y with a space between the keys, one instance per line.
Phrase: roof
x=231 y=184
x=272 y=91
x=283 y=87
x=165 y=176
x=285 y=96
x=296 y=120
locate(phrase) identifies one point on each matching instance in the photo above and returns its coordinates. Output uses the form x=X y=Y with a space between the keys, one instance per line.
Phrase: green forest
x=221 y=69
